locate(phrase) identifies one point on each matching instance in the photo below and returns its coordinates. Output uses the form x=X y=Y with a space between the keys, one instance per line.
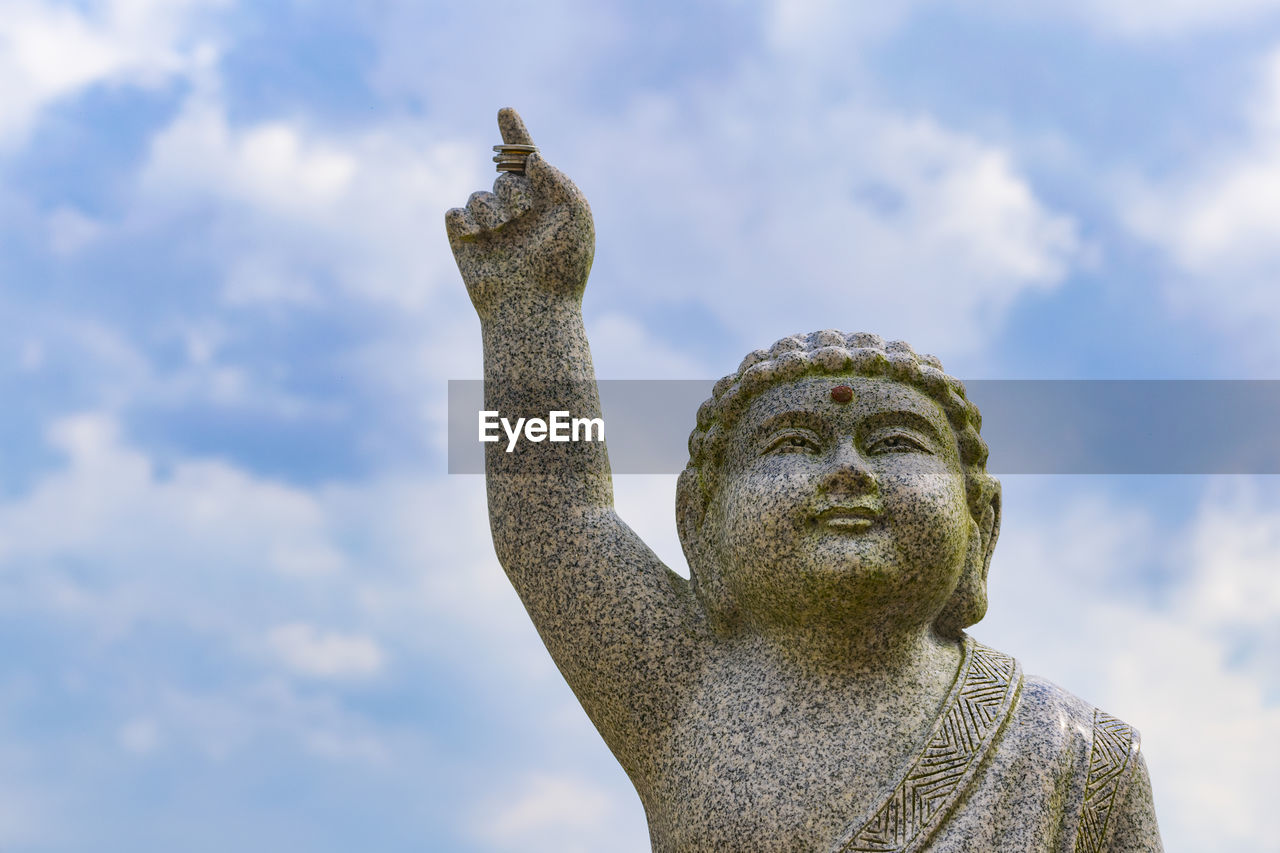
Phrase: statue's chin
x=848 y=589
x=832 y=577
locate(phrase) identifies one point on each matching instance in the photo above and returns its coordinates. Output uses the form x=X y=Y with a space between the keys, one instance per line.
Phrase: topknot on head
x=829 y=338
x=866 y=339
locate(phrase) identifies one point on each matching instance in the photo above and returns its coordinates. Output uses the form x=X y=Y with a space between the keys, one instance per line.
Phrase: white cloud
x=311 y=652
x=270 y=166
x=203 y=546
x=429 y=55
x=556 y=812
x=169 y=545
x=140 y=736
x=294 y=207
x=199 y=500
x=51 y=51
x=86 y=351
x=1235 y=547
x=781 y=213
x=804 y=26
x=28 y=817
x=430 y=578
x=221 y=722
x=622 y=348
x=70 y=230
x=1165 y=18
x=1218 y=220
x=31 y=356
x=103 y=367
x=115 y=545
x=254 y=569
x=813 y=32
x=1208 y=728
x=1133 y=20
x=263 y=280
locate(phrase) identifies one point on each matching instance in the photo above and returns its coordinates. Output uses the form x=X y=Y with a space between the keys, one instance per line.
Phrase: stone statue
x=811 y=687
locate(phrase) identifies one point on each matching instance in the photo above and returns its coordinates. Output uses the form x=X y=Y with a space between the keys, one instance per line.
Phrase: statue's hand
x=529 y=241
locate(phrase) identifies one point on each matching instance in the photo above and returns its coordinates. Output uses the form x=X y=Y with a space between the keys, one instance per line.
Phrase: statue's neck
x=876 y=656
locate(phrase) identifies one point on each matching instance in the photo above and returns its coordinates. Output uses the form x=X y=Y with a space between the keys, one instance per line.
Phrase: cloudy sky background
x=244 y=605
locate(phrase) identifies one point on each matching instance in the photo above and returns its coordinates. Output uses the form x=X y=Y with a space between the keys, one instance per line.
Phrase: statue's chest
x=749 y=774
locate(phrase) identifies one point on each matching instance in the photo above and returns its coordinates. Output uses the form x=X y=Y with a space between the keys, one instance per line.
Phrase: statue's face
x=830 y=510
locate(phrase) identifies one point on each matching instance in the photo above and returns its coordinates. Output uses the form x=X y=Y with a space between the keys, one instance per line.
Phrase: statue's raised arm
x=616 y=620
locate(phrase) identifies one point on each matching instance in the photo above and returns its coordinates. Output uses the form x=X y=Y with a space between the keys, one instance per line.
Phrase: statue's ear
x=704 y=574
x=990 y=527
x=968 y=603
x=691 y=512
x=690 y=509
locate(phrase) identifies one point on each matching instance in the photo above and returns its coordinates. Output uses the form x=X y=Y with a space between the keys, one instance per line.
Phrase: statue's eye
x=794 y=441
x=897 y=442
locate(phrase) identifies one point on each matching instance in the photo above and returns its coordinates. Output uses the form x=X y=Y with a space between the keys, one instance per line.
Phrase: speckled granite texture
x=812 y=687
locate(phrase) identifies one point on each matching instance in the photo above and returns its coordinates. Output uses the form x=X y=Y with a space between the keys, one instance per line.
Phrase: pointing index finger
x=512 y=127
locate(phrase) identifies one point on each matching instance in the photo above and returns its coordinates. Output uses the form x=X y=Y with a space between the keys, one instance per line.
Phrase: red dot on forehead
x=842 y=394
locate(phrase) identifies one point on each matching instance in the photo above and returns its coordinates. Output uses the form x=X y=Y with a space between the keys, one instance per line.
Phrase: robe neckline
x=934 y=777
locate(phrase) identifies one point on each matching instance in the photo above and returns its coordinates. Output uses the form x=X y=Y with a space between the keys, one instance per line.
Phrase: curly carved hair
x=861 y=354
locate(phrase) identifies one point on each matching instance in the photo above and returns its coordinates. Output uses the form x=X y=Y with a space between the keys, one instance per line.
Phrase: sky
x=245 y=605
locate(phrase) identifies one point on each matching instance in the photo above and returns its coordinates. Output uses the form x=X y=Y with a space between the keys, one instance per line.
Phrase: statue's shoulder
x=1098 y=758
x=1094 y=748
x=1071 y=717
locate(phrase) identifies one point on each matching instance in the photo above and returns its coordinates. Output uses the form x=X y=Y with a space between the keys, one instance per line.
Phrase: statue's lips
x=852 y=518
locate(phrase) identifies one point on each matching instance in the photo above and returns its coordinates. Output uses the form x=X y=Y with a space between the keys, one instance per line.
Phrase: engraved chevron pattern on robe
x=961 y=737
x=1114 y=743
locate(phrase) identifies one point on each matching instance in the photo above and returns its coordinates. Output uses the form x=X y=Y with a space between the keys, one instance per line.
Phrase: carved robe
x=1014 y=763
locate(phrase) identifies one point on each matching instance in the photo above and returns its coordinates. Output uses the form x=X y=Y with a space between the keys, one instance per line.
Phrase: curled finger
x=485 y=210
x=459 y=225
x=514 y=194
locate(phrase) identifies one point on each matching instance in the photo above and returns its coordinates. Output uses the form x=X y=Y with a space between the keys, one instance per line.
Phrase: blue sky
x=246 y=607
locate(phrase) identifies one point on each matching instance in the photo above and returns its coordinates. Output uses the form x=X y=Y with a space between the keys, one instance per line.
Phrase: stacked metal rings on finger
x=510 y=158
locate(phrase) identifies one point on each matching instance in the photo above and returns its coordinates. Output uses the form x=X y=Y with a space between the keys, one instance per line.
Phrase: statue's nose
x=849 y=470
